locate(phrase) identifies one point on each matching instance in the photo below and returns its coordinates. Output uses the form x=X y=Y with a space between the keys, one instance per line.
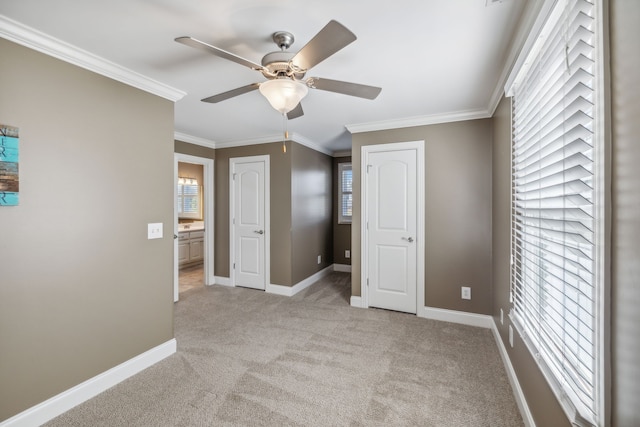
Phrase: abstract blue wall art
x=9 y=178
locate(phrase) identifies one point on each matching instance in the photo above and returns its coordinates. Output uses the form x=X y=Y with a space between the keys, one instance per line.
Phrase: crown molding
x=297 y=138
x=184 y=137
x=418 y=121
x=342 y=153
x=252 y=141
x=308 y=143
x=29 y=37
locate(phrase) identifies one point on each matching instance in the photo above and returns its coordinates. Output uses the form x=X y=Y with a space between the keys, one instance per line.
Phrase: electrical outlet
x=319 y=259
x=510 y=336
x=501 y=317
x=347 y=253
x=154 y=230
x=466 y=292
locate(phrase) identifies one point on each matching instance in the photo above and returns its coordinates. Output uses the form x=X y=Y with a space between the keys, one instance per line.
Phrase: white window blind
x=345 y=186
x=189 y=198
x=553 y=277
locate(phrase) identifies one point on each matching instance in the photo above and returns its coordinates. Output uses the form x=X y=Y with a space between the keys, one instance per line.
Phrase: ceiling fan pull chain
x=285 y=121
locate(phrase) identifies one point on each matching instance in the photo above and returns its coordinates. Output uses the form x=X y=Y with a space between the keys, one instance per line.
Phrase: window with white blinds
x=553 y=274
x=345 y=197
x=189 y=198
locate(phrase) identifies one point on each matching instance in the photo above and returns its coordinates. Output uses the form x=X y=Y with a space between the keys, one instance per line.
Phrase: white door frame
x=207 y=203
x=267 y=216
x=420 y=218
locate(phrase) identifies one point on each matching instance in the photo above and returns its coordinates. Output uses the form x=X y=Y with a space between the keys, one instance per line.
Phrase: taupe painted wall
x=311 y=207
x=341 y=232
x=82 y=289
x=194 y=150
x=625 y=63
x=190 y=170
x=457 y=211
x=280 y=166
x=541 y=400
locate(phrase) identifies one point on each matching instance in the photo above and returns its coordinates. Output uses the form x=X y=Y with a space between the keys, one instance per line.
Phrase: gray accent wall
x=457 y=210
x=311 y=208
x=81 y=288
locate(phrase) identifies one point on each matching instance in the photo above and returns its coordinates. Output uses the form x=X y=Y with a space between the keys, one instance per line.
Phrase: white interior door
x=249 y=221
x=393 y=234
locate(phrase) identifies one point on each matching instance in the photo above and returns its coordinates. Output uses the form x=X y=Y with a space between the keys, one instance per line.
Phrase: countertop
x=190 y=227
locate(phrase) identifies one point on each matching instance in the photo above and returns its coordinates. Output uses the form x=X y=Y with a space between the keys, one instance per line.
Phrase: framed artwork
x=9 y=177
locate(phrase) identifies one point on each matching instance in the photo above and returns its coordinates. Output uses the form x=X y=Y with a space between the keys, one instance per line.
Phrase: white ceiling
x=434 y=59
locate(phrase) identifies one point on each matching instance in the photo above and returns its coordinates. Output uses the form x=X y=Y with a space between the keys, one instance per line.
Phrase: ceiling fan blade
x=231 y=93
x=296 y=112
x=190 y=41
x=346 y=88
x=333 y=37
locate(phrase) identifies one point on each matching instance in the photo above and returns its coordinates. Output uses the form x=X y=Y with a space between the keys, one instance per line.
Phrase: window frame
x=601 y=222
x=192 y=182
x=344 y=219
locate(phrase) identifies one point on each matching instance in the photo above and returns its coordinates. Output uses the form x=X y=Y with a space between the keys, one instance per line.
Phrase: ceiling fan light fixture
x=283 y=94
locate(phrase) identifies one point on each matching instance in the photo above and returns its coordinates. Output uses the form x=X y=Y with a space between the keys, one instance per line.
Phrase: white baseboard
x=224 y=281
x=356 y=301
x=513 y=379
x=342 y=267
x=51 y=408
x=454 y=316
x=290 y=291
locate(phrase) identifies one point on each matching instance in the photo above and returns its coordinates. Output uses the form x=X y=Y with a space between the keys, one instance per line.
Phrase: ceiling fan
x=285 y=70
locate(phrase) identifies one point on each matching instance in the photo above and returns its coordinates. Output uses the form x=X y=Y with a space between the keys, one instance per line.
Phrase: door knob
x=408 y=239
x=258 y=231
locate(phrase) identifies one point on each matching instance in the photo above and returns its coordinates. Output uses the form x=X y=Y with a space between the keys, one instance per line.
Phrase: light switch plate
x=154 y=230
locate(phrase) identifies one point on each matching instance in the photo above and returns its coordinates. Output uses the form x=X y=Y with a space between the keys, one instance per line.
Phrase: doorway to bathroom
x=193 y=223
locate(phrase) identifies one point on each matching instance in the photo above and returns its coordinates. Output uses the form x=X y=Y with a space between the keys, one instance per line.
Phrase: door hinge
x=234 y=265
x=368 y=166
x=367 y=282
x=234 y=221
x=234 y=176
x=367 y=225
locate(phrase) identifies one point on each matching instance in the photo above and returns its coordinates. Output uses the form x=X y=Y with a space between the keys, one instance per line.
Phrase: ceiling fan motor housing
x=279 y=64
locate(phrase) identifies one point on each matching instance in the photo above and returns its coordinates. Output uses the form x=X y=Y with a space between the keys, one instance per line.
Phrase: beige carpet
x=247 y=358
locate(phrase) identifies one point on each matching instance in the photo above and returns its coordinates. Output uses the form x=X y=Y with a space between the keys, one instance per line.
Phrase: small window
x=345 y=186
x=189 y=198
